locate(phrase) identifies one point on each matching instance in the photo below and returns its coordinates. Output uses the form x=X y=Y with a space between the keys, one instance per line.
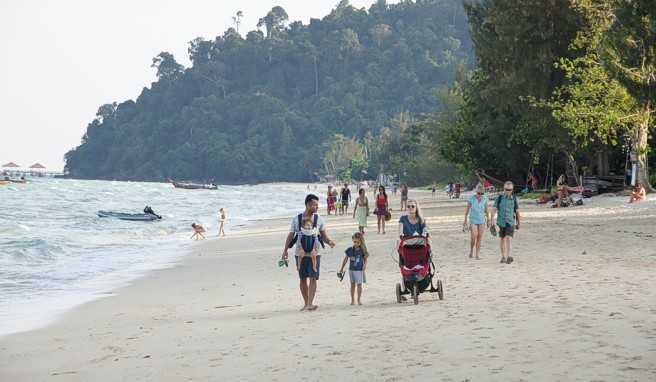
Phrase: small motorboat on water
x=194 y=186
x=147 y=215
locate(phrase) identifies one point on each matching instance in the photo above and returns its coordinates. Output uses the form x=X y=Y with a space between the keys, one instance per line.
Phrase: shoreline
x=47 y=308
x=226 y=310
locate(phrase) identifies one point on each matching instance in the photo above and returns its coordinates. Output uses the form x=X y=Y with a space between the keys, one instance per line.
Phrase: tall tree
x=274 y=21
x=167 y=67
x=631 y=57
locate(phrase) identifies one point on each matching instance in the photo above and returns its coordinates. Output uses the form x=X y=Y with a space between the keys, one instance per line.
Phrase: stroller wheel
x=440 y=290
x=398 y=293
x=415 y=293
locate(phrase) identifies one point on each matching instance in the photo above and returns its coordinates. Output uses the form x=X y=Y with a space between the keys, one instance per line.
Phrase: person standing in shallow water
x=222 y=220
x=307 y=275
x=477 y=213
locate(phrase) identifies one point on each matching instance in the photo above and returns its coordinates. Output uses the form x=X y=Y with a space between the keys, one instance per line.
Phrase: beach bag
x=307 y=238
x=388 y=215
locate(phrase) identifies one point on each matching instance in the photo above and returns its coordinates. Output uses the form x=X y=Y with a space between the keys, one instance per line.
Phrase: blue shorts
x=305 y=270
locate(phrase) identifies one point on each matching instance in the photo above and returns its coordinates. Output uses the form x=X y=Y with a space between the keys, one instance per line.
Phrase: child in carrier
x=309 y=243
x=357 y=256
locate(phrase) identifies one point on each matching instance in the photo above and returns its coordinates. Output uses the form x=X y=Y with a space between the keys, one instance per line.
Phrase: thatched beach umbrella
x=37 y=167
x=10 y=165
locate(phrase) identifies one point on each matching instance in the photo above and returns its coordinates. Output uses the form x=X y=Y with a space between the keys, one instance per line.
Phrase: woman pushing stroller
x=415 y=257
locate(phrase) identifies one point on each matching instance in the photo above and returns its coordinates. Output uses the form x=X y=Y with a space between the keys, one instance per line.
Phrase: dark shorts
x=506 y=231
x=305 y=270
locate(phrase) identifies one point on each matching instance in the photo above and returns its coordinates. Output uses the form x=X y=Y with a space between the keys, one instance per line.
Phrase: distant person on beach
x=361 y=210
x=306 y=273
x=449 y=190
x=199 y=230
x=477 y=214
x=456 y=189
x=404 y=197
x=638 y=193
x=222 y=220
x=357 y=256
x=331 y=200
x=434 y=190
x=346 y=198
x=382 y=206
x=506 y=209
x=564 y=198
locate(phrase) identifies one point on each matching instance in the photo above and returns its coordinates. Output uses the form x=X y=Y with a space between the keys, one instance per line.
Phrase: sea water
x=56 y=253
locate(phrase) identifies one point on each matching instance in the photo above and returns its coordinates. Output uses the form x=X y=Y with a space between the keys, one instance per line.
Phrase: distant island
x=267 y=106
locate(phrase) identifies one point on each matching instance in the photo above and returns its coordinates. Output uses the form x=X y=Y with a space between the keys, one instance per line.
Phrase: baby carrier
x=308 y=237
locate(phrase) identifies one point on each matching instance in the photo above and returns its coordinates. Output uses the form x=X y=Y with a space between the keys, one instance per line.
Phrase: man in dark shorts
x=308 y=277
x=507 y=208
x=346 y=197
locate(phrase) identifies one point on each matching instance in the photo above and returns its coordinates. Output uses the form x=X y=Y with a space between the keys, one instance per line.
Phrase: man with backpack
x=299 y=239
x=507 y=210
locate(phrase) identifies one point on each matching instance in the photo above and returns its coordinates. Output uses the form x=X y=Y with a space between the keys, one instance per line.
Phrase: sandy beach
x=578 y=304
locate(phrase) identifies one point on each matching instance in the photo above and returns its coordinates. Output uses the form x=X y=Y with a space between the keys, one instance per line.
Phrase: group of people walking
x=308 y=231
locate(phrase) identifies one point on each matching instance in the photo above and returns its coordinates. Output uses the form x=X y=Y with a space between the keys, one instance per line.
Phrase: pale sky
x=61 y=59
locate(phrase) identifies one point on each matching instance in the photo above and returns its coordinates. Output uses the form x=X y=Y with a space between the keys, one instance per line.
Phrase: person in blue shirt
x=357 y=256
x=507 y=210
x=412 y=224
x=478 y=216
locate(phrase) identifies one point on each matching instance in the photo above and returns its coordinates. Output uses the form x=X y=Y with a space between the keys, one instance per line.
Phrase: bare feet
x=352 y=303
x=359 y=303
x=313 y=307
x=304 y=308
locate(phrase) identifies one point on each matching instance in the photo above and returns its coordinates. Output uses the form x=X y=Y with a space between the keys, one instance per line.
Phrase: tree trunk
x=639 y=150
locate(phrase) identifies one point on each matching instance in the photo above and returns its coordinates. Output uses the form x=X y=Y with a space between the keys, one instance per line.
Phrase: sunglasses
x=411 y=206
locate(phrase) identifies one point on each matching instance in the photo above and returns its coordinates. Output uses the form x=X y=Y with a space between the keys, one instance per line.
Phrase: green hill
x=261 y=107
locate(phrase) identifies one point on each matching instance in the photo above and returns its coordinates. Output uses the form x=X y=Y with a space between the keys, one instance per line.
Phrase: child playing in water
x=309 y=231
x=357 y=256
x=198 y=231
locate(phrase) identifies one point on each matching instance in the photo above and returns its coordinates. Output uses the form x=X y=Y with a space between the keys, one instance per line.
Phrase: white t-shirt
x=295 y=228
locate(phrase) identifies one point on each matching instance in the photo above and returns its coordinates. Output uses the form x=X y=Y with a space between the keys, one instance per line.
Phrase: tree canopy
x=267 y=107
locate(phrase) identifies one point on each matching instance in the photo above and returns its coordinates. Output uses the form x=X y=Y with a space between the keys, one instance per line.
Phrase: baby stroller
x=417 y=269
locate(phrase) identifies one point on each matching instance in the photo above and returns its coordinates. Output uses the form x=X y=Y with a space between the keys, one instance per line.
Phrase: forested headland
x=272 y=104
x=427 y=89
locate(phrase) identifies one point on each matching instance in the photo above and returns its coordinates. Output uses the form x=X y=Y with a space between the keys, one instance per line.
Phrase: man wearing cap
x=507 y=210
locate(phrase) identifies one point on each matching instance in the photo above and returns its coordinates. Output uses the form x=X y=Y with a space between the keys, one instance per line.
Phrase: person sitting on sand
x=357 y=256
x=306 y=273
x=564 y=198
x=638 y=193
x=198 y=231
